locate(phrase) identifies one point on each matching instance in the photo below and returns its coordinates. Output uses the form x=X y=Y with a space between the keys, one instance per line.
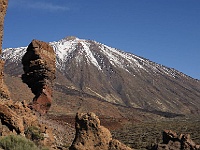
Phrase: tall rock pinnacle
x=39 y=73
x=4 y=94
x=3 y=8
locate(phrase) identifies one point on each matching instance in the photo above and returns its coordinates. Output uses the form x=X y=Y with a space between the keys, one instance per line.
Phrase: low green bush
x=17 y=142
x=34 y=133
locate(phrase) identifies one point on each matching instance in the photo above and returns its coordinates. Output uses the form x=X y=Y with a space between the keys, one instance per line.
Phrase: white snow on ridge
x=63 y=47
x=120 y=59
x=66 y=49
x=89 y=55
x=63 y=50
x=13 y=54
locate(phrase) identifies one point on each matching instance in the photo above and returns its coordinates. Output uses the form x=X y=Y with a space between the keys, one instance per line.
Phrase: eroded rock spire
x=39 y=73
x=4 y=93
x=3 y=8
x=90 y=135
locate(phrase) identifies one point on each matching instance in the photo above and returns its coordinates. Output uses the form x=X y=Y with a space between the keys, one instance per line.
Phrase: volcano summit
x=91 y=74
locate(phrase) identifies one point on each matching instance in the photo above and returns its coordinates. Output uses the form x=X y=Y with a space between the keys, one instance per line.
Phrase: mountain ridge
x=15 y=54
x=111 y=75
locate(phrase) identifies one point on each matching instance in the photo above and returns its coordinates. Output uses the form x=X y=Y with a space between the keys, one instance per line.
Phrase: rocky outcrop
x=4 y=93
x=39 y=73
x=3 y=8
x=90 y=135
x=18 y=118
x=174 y=142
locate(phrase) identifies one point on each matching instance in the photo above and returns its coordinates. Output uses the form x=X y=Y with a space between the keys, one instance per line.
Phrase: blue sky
x=164 y=31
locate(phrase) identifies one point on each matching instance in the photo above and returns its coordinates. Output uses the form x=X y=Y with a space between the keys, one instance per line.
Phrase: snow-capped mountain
x=107 y=74
x=95 y=53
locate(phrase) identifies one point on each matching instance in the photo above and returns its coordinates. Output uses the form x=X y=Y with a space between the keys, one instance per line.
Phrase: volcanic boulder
x=18 y=118
x=174 y=142
x=4 y=93
x=90 y=135
x=39 y=73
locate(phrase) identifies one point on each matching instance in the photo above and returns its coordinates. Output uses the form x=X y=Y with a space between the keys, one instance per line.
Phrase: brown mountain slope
x=94 y=77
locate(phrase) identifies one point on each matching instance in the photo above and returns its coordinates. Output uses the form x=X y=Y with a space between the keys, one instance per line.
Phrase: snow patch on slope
x=90 y=57
x=77 y=49
x=65 y=50
x=13 y=54
x=120 y=59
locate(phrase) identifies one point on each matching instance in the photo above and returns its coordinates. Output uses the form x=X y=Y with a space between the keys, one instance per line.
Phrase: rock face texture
x=18 y=118
x=39 y=73
x=89 y=68
x=90 y=135
x=4 y=94
x=171 y=141
x=3 y=8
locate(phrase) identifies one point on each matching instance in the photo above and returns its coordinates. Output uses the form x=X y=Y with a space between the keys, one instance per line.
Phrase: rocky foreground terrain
x=18 y=118
x=122 y=89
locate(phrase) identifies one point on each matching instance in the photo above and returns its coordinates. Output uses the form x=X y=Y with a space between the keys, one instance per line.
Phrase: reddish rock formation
x=90 y=135
x=4 y=94
x=171 y=141
x=18 y=118
x=3 y=8
x=39 y=73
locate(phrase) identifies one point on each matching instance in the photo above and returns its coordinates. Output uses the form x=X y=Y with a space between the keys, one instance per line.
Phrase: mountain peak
x=94 y=53
x=68 y=38
x=108 y=74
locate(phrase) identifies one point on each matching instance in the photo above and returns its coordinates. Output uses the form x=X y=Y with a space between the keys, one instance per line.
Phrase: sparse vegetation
x=17 y=142
x=143 y=135
x=34 y=134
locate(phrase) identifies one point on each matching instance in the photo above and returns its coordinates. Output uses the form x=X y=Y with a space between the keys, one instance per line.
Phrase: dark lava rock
x=39 y=73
